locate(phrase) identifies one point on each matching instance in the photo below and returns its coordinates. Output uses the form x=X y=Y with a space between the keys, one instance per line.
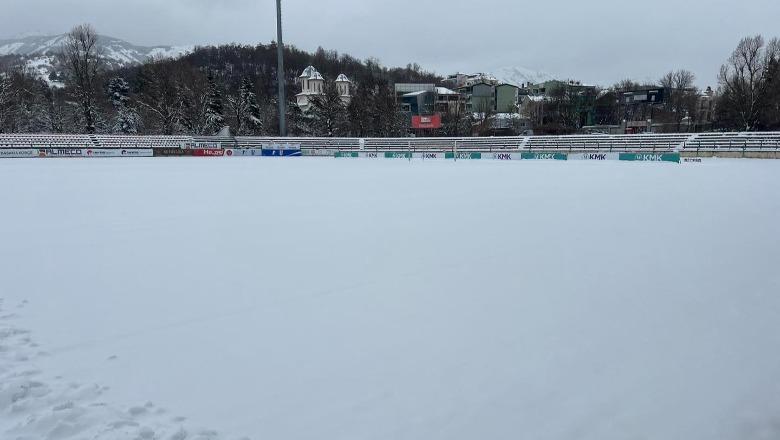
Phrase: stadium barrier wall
x=172 y=152
x=650 y=157
x=285 y=152
x=594 y=156
x=242 y=152
x=544 y=156
x=18 y=153
x=463 y=155
x=257 y=152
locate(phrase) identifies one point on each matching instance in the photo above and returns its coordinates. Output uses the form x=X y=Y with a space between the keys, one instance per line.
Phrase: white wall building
x=313 y=84
x=344 y=86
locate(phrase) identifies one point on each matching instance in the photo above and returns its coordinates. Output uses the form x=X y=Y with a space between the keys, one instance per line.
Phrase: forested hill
x=260 y=61
x=211 y=86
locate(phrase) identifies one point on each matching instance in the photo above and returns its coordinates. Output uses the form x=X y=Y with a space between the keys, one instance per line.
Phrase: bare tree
x=681 y=95
x=744 y=79
x=83 y=60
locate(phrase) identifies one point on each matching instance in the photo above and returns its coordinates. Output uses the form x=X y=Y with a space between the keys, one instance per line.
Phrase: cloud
x=599 y=41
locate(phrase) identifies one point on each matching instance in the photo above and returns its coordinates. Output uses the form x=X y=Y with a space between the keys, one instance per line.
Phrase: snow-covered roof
x=445 y=91
x=310 y=73
x=342 y=78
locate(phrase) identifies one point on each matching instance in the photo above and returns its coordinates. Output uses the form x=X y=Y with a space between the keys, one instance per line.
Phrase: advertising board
x=18 y=152
x=594 y=156
x=208 y=152
x=172 y=152
x=544 y=156
x=650 y=157
x=464 y=155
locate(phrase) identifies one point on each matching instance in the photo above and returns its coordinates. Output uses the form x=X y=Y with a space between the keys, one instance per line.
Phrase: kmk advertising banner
x=594 y=156
x=650 y=157
x=502 y=156
x=544 y=156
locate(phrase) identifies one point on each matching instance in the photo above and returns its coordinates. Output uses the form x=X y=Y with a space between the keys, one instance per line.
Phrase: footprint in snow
x=136 y=411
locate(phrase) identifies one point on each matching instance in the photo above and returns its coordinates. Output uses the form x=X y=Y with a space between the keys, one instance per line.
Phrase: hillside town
x=500 y=108
x=232 y=87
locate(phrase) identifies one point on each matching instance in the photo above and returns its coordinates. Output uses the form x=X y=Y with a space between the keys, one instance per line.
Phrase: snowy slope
x=327 y=299
x=40 y=52
x=521 y=75
x=117 y=51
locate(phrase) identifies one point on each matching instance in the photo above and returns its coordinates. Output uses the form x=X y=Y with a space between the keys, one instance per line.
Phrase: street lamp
x=280 y=70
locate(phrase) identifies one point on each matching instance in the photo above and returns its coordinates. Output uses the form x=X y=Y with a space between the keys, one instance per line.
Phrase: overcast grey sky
x=596 y=41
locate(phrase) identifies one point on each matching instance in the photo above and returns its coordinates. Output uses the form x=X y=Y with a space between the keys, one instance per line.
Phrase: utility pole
x=280 y=71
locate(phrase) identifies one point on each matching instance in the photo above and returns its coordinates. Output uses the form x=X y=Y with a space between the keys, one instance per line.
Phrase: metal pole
x=280 y=77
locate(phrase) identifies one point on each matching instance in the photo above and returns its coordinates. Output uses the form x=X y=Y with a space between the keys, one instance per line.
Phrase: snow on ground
x=359 y=299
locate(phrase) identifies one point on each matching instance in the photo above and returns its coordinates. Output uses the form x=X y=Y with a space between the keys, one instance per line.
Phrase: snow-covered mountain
x=39 y=52
x=520 y=75
x=117 y=52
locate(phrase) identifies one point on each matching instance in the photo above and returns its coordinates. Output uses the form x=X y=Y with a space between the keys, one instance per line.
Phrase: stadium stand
x=705 y=142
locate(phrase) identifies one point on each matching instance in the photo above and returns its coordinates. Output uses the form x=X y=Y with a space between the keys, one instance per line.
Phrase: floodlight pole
x=280 y=71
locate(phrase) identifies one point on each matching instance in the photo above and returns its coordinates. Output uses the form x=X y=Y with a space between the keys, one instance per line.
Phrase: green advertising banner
x=650 y=157
x=465 y=155
x=544 y=156
x=346 y=154
x=398 y=155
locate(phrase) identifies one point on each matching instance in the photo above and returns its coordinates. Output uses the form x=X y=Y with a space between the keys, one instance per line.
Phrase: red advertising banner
x=422 y=122
x=208 y=152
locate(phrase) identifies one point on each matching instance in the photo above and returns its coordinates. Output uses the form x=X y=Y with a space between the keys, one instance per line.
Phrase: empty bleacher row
x=90 y=141
x=705 y=142
x=618 y=143
x=739 y=142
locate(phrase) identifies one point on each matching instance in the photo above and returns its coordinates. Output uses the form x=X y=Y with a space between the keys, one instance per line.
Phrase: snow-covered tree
x=160 y=96
x=745 y=81
x=127 y=119
x=6 y=100
x=214 y=109
x=248 y=117
x=83 y=61
x=328 y=113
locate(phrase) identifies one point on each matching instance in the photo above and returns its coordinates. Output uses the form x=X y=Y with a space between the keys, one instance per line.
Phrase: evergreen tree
x=246 y=111
x=7 y=99
x=127 y=119
x=328 y=113
x=390 y=121
x=214 y=110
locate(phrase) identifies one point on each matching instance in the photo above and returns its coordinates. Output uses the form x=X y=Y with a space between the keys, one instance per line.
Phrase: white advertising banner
x=371 y=155
x=319 y=152
x=61 y=152
x=18 y=152
x=241 y=152
x=594 y=156
x=136 y=152
x=100 y=152
x=426 y=156
x=502 y=156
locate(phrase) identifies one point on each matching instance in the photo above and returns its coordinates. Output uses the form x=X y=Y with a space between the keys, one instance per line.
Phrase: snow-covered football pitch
x=312 y=299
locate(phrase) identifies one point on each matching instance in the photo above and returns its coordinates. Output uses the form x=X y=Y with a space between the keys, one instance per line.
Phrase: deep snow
x=358 y=299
